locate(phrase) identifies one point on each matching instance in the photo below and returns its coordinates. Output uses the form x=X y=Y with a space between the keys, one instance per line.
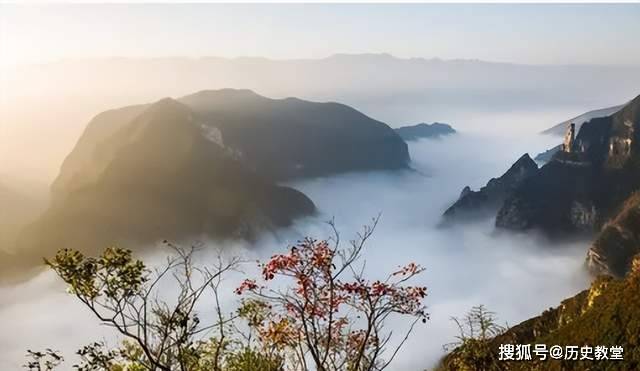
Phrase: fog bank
x=517 y=276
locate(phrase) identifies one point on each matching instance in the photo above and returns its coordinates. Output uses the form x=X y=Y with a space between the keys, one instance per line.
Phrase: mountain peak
x=525 y=160
x=225 y=92
x=424 y=130
x=491 y=196
x=164 y=104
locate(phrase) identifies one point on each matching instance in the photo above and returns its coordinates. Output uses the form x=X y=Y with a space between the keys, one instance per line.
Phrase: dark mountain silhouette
x=585 y=184
x=586 y=188
x=490 y=197
x=547 y=155
x=203 y=165
x=292 y=138
x=160 y=176
x=278 y=138
x=423 y=130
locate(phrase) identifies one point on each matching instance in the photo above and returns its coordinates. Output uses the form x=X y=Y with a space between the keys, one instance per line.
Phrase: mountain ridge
x=157 y=177
x=424 y=130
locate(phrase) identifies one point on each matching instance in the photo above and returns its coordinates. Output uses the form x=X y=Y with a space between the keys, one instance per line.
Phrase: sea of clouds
x=515 y=275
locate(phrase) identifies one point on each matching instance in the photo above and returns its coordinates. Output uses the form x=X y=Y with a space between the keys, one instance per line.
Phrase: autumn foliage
x=311 y=308
x=324 y=311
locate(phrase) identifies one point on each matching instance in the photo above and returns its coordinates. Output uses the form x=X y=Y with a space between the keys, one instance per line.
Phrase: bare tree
x=472 y=349
x=123 y=294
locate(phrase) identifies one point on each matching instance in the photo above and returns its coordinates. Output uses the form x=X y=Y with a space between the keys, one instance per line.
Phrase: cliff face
x=608 y=314
x=558 y=199
x=585 y=183
x=618 y=241
x=547 y=155
x=161 y=176
x=490 y=197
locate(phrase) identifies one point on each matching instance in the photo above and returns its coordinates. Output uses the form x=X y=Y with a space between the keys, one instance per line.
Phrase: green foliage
x=607 y=314
x=247 y=359
x=115 y=274
x=254 y=311
x=267 y=332
x=473 y=350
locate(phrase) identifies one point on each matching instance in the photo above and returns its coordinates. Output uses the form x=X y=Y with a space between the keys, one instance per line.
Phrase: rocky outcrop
x=569 y=138
x=547 y=155
x=161 y=176
x=618 y=241
x=561 y=128
x=585 y=183
x=423 y=130
x=490 y=197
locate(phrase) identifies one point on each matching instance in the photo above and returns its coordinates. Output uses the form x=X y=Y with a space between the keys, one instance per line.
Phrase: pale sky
x=530 y=33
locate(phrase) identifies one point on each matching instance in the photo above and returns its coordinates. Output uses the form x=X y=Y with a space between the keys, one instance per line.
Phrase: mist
x=44 y=108
x=515 y=275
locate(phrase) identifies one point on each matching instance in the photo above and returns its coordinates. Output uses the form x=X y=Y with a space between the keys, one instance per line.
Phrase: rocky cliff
x=423 y=130
x=547 y=155
x=618 y=241
x=584 y=185
x=561 y=128
x=490 y=197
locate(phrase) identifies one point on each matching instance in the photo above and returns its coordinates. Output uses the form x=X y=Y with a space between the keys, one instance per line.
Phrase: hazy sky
x=531 y=33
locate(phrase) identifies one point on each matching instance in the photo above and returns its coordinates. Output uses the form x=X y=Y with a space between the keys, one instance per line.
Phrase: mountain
x=607 y=314
x=547 y=155
x=619 y=240
x=408 y=88
x=560 y=128
x=422 y=130
x=490 y=197
x=279 y=139
x=585 y=183
x=292 y=138
x=160 y=176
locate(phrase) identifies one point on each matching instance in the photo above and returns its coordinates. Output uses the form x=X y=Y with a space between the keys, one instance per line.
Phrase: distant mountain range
x=406 y=91
x=205 y=165
x=424 y=130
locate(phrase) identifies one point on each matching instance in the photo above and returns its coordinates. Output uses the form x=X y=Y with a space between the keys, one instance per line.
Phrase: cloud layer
x=516 y=276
